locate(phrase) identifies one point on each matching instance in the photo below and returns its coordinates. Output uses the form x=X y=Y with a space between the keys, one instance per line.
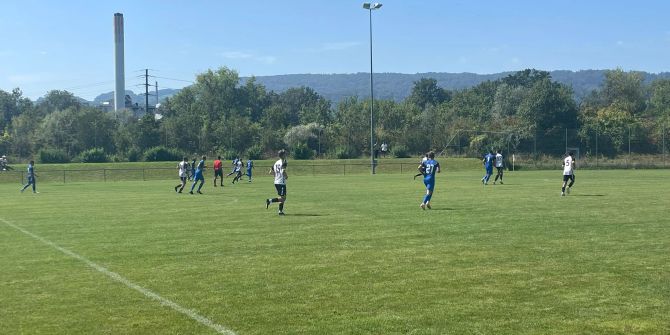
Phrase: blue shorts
x=198 y=176
x=430 y=184
x=489 y=170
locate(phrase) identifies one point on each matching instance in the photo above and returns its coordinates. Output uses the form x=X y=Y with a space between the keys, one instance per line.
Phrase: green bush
x=302 y=151
x=116 y=158
x=53 y=156
x=162 y=154
x=230 y=155
x=255 y=152
x=343 y=153
x=134 y=155
x=95 y=155
x=400 y=151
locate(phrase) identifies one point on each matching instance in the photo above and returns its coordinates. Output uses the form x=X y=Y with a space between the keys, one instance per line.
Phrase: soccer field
x=354 y=255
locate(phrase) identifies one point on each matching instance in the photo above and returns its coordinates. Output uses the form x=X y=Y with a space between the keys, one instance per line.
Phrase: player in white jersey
x=279 y=172
x=500 y=166
x=238 y=170
x=569 y=165
x=183 y=175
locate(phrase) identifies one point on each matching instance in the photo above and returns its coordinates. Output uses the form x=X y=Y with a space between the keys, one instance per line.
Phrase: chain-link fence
x=634 y=146
x=143 y=174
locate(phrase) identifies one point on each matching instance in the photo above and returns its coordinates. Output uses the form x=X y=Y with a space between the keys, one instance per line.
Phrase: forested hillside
x=398 y=86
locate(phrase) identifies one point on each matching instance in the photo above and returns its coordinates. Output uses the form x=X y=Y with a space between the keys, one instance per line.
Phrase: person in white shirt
x=385 y=149
x=500 y=166
x=238 y=170
x=569 y=165
x=279 y=172
x=183 y=175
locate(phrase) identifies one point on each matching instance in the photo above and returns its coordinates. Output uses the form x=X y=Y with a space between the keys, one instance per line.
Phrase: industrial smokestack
x=119 y=70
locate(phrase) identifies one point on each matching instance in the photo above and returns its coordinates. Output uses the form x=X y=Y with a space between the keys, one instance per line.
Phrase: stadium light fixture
x=370 y=6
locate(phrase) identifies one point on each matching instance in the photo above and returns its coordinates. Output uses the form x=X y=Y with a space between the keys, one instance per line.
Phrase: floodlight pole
x=370 y=7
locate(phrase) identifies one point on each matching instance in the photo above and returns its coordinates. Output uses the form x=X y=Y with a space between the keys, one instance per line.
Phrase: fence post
x=596 y=148
x=628 y=160
x=104 y=175
x=63 y=176
x=344 y=170
x=143 y=179
x=312 y=170
x=400 y=168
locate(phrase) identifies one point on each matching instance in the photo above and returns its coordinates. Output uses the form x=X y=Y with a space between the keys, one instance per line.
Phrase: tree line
x=220 y=115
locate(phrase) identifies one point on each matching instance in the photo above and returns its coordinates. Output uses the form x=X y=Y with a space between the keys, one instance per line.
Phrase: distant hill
x=398 y=86
x=395 y=86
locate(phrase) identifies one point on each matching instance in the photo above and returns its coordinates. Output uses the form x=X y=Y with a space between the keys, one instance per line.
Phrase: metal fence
x=144 y=174
x=634 y=146
x=516 y=161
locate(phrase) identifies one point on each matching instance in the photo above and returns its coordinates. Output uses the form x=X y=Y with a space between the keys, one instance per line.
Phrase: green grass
x=354 y=255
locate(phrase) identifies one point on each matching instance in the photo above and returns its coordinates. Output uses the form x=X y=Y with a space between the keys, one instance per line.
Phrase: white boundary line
x=117 y=277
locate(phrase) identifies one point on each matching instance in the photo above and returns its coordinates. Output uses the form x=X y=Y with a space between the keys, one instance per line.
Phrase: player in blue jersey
x=198 y=175
x=428 y=168
x=488 y=166
x=191 y=171
x=250 y=166
x=31 y=177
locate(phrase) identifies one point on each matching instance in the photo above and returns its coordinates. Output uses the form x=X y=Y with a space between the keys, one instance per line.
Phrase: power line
x=186 y=81
x=88 y=85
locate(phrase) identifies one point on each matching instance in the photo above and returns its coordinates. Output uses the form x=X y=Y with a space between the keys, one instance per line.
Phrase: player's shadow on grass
x=442 y=209
x=588 y=195
x=302 y=214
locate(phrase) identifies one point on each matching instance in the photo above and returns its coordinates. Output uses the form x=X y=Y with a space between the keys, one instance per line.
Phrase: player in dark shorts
x=218 y=170
x=279 y=172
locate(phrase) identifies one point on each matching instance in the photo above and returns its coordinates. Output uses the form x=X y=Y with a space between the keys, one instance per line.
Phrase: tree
x=351 y=129
x=56 y=100
x=626 y=89
x=658 y=111
x=12 y=105
x=526 y=78
x=609 y=111
x=302 y=134
x=426 y=92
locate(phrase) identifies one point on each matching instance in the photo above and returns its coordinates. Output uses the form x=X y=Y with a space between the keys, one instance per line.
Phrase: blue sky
x=68 y=44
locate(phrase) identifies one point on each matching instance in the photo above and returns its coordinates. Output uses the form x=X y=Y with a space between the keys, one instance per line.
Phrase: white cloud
x=266 y=59
x=24 y=78
x=619 y=43
x=43 y=53
x=249 y=56
x=236 y=55
x=333 y=46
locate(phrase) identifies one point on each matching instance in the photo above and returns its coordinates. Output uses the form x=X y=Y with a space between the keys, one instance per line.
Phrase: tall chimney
x=119 y=71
